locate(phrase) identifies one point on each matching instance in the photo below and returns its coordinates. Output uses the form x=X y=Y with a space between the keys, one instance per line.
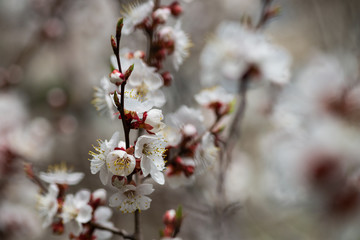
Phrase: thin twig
x=137 y=233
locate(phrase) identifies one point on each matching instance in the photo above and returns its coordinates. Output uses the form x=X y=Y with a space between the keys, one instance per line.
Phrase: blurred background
x=295 y=174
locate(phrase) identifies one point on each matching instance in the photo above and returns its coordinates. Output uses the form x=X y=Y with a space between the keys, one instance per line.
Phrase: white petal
x=116 y=199
x=84 y=214
x=82 y=197
x=145 y=165
x=96 y=164
x=158 y=177
x=104 y=175
x=114 y=140
x=102 y=214
x=75 y=178
x=102 y=234
x=144 y=202
x=144 y=189
x=53 y=190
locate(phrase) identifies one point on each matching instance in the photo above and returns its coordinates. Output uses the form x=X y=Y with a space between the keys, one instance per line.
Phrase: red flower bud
x=168 y=78
x=175 y=9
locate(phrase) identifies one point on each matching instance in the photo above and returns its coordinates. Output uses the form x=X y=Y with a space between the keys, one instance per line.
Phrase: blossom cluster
x=79 y=215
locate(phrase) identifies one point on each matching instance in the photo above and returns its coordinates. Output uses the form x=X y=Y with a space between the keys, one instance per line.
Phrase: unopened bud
x=189 y=130
x=119 y=27
x=113 y=43
x=99 y=194
x=169 y=217
x=116 y=99
x=116 y=77
x=168 y=231
x=161 y=54
x=175 y=9
x=128 y=72
x=168 y=78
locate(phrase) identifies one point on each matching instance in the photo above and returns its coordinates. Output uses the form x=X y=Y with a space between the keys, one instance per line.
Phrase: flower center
x=130 y=194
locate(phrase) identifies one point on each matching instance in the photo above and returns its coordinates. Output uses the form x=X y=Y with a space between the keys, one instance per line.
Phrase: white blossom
x=48 y=205
x=181 y=41
x=34 y=140
x=151 y=150
x=322 y=90
x=186 y=117
x=120 y=163
x=178 y=179
x=135 y=14
x=16 y=114
x=144 y=81
x=154 y=119
x=17 y=221
x=103 y=101
x=132 y=198
x=233 y=49
x=135 y=103
x=162 y=14
x=99 y=194
x=102 y=217
x=98 y=162
x=206 y=153
x=77 y=208
x=213 y=95
x=59 y=174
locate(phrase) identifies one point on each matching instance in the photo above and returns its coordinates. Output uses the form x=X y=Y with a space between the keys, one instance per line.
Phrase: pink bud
x=176 y=9
x=116 y=77
x=169 y=217
x=168 y=78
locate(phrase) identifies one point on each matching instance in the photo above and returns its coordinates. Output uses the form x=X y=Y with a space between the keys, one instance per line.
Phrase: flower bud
x=116 y=77
x=175 y=9
x=99 y=194
x=168 y=78
x=153 y=119
x=169 y=217
x=168 y=231
x=189 y=130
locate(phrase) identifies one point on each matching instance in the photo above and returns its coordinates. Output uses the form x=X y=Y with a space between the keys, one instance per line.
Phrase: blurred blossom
x=68 y=124
x=33 y=141
x=144 y=81
x=323 y=89
x=60 y=174
x=135 y=14
x=234 y=48
x=17 y=221
x=177 y=37
x=14 y=112
x=56 y=97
